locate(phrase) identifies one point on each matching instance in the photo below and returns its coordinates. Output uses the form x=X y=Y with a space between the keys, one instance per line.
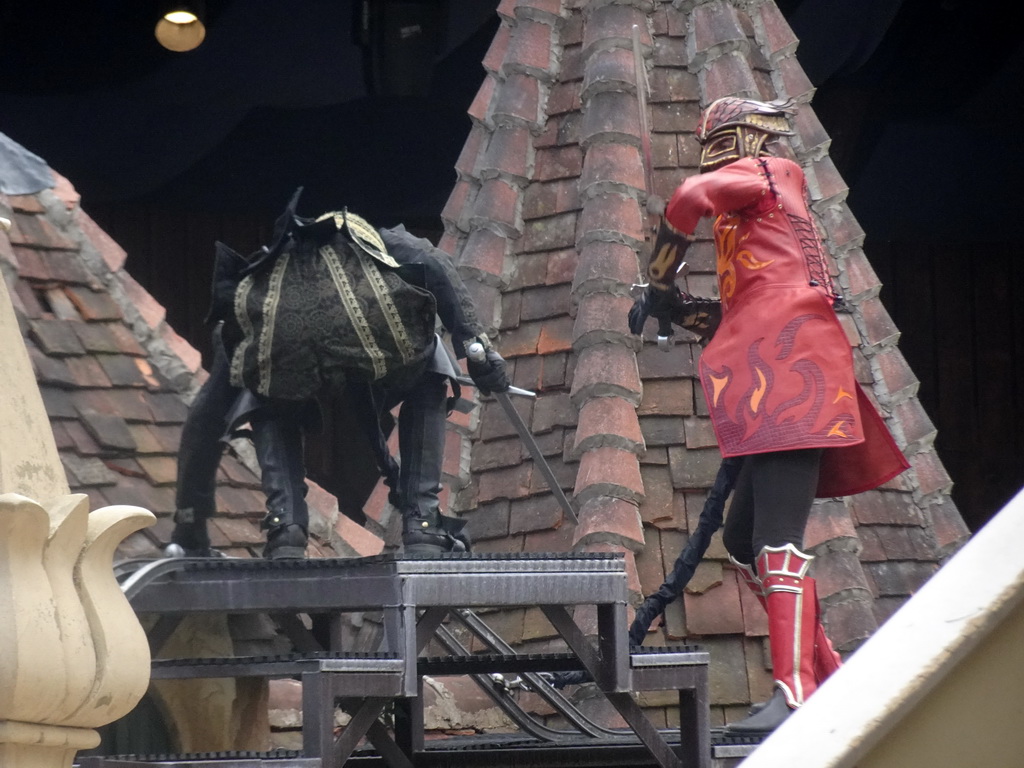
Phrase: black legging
x=771 y=502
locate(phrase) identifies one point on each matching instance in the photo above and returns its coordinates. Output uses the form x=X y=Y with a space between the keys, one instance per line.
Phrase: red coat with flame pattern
x=778 y=374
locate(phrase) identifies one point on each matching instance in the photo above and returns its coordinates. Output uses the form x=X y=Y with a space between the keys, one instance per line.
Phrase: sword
x=666 y=334
x=476 y=352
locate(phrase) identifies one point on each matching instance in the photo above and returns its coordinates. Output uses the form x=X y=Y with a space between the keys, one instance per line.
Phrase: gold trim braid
x=238 y=358
x=351 y=304
x=270 y=304
x=387 y=304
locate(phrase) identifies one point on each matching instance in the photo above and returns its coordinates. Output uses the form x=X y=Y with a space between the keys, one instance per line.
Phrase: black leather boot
x=278 y=442
x=285 y=540
x=190 y=537
x=766 y=719
x=421 y=436
x=426 y=536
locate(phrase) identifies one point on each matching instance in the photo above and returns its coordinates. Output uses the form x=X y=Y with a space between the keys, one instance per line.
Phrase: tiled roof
x=546 y=220
x=116 y=379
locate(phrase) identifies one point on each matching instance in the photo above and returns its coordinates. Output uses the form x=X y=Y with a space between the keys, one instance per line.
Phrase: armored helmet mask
x=734 y=127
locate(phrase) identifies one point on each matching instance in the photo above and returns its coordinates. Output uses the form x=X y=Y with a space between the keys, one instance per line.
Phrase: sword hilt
x=476 y=352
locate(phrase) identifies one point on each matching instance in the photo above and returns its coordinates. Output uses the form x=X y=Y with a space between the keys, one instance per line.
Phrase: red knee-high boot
x=826 y=660
x=792 y=606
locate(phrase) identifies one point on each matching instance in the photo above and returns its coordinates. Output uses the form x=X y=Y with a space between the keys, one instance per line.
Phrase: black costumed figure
x=333 y=304
x=777 y=375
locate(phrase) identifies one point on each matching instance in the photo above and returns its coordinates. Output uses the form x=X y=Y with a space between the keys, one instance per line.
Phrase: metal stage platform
x=422 y=600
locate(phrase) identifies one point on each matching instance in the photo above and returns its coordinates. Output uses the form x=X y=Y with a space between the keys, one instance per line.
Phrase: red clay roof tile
x=918 y=430
x=93 y=304
x=480 y=109
x=666 y=398
x=497 y=203
x=871 y=549
x=651 y=567
x=488 y=521
x=607 y=421
x=755 y=618
x=839 y=574
x=547 y=10
x=663 y=430
x=774 y=32
x=895 y=578
x=550 y=411
x=87 y=372
x=730 y=75
x=609 y=70
x=609 y=472
x=572 y=51
x=456 y=211
x=123 y=371
x=495 y=55
x=660 y=503
x=947 y=526
x=612 y=25
x=609 y=117
x=829 y=521
x=554 y=197
x=606 y=369
x=50 y=370
x=794 y=83
x=560 y=162
x=861 y=280
x=518 y=101
x=615 y=167
x=55 y=337
x=536 y=513
x=699 y=433
x=604 y=266
x=932 y=477
x=611 y=217
x=608 y=518
x=507 y=155
x=555 y=336
x=827 y=187
x=654 y=363
x=109 y=432
x=599 y=319
x=496 y=454
x=564 y=97
x=485 y=252
x=849 y=623
x=529 y=50
x=812 y=138
x=672 y=86
x=878 y=325
x=716 y=612
x=884 y=507
x=544 y=301
x=693 y=468
x=506 y=483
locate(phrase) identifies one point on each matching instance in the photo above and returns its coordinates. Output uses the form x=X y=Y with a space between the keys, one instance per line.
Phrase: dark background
x=173 y=151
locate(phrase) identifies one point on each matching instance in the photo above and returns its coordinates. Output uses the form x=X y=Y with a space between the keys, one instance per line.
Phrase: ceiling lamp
x=181 y=27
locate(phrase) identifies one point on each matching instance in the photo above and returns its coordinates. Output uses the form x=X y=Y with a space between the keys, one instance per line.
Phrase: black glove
x=488 y=375
x=698 y=315
x=638 y=314
x=653 y=302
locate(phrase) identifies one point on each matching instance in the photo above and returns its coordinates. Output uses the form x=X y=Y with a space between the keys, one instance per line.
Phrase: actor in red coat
x=779 y=381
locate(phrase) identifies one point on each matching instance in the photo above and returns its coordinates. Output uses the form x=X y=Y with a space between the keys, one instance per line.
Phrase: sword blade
x=538 y=458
